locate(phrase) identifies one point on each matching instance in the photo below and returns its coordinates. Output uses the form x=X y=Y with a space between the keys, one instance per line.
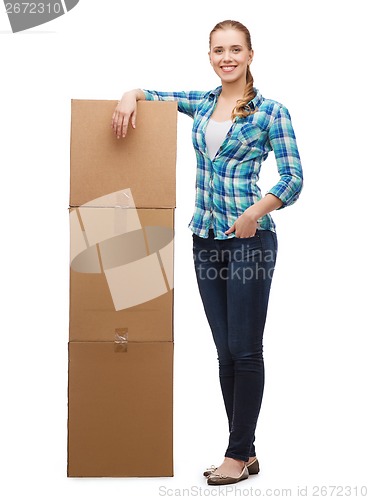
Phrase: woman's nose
x=227 y=56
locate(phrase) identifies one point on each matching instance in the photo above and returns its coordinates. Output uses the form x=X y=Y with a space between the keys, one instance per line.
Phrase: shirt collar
x=254 y=103
x=257 y=100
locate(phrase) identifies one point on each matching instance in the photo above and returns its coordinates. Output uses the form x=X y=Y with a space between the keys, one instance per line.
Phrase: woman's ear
x=251 y=57
x=210 y=58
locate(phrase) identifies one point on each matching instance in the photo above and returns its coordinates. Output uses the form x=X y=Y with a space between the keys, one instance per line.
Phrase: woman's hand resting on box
x=125 y=112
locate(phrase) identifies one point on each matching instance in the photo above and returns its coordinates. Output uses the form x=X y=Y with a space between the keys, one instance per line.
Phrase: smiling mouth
x=228 y=69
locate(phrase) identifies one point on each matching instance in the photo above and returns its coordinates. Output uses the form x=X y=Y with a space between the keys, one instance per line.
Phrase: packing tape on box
x=121 y=340
x=106 y=236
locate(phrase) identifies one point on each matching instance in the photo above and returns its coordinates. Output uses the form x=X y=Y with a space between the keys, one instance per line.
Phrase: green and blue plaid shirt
x=227 y=185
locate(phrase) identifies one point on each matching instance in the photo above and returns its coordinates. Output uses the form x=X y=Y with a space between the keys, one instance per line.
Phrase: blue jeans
x=234 y=278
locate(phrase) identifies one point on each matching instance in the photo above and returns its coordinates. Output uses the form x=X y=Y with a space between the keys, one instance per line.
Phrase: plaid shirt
x=227 y=185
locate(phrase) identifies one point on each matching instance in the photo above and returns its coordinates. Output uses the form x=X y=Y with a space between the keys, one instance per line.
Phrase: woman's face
x=229 y=55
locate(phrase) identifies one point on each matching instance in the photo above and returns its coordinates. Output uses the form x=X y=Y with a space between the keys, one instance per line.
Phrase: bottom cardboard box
x=120 y=409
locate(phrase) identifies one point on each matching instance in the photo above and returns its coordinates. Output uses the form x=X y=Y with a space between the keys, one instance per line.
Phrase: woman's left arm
x=283 y=142
x=287 y=190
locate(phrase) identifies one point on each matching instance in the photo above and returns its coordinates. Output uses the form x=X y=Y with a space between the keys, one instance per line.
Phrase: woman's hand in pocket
x=244 y=227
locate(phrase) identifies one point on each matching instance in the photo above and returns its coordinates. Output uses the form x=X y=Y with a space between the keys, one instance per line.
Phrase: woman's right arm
x=126 y=111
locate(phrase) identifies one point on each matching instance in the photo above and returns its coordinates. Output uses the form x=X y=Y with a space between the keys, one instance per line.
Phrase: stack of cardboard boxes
x=122 y=200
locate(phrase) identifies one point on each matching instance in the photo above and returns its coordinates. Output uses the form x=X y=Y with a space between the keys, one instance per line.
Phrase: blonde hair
x=242 y=108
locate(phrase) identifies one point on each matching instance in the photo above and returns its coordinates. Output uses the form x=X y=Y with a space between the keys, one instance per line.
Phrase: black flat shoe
x=253 y=468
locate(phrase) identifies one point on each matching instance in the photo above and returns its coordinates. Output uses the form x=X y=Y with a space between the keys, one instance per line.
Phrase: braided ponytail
x=242 y=108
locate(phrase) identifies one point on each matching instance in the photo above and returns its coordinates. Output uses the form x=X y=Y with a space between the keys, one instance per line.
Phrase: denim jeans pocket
x=247 y=249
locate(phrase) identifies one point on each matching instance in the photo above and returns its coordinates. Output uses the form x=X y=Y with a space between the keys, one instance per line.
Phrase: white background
x=310 y=55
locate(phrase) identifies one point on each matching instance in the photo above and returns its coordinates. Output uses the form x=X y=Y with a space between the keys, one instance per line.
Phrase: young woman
x=234 y=237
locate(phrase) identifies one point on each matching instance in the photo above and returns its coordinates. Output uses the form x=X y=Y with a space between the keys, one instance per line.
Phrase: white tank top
x=215 y=134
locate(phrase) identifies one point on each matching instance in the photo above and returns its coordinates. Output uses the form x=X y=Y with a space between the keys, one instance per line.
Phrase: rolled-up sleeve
x=187 y=101
x=283 y=142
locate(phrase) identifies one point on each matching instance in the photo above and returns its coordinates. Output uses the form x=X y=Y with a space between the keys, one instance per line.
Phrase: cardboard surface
x=143 y=161
x=122 y=199
x=120 y=409
x=124 y=281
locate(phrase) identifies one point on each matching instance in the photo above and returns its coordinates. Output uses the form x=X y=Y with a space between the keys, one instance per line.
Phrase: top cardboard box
x=144 y=161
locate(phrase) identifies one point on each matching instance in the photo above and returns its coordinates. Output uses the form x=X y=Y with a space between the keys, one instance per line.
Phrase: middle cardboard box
x=121 y=276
